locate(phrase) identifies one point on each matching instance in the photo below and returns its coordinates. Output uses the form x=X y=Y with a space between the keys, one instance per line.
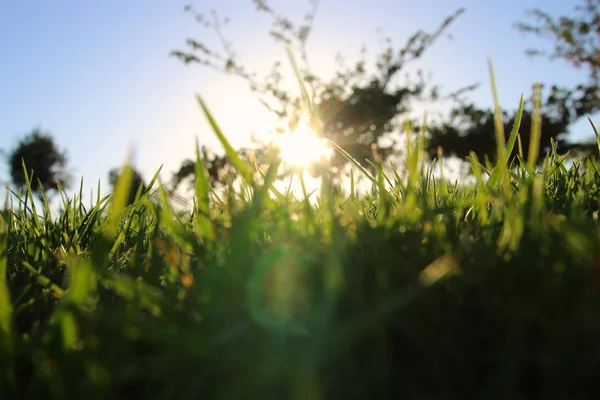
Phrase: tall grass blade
x=239 y=165
x=596 y=132
x=305 y=95
x=499 y=171
x=280 y=196
x=153 y=180
x=119 y=198
x=536 y=126
x=204 y=227
x=29 y=195
x=498 y=118
x=355 y=162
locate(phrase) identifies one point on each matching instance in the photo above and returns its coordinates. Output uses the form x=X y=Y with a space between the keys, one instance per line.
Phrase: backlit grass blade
x=153 y=180
x=515 y=130
x=593 y=168
x=29 y=194
x=526 y=166
x=277 y=193
x=596 y=132
x=536 y=126
x=46 y=205
x=305 y=95
x=288 y=192
x=239 y=165
x=353 y=161
x=477 y=168
x=204 y=227
x=381 y=190
x=6 y=310
x=399 y=184
x=98 y=192
x=171 y=221
x=502 y=162
x=119 y=198
x=262 y=194
x=498 y=119
x=520 y=145
x=474 y=160
x=444 y=185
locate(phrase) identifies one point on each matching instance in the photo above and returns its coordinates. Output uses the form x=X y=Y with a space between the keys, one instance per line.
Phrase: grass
x=424 y=289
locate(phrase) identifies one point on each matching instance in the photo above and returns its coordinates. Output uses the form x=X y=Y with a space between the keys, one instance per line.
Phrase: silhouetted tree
x=471 y=129
x=576 y=41
x=45 y=163
x=136 y=182
x=358 y=110
x=219 y=167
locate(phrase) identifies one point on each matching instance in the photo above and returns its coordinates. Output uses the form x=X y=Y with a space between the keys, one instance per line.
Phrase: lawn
x=421 y=289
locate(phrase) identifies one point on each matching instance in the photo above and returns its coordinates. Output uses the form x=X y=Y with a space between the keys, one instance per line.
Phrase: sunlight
x=302 y=147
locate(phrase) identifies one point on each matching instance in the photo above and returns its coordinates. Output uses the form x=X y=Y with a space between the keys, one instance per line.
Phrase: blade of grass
x=119 y=198
x=241 y=167
x=29 y=194
x=536 y=126
x=153 y=180
x=353 y=161
x=204 y=227
x=497 y=174
x=305 y=96
x=498 y=120
x=596 y=132
x=277 y=193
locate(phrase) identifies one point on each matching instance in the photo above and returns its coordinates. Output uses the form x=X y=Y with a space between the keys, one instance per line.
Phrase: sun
x=302 y=147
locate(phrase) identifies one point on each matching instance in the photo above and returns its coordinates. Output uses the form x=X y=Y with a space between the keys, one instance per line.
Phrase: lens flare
x=302 y=147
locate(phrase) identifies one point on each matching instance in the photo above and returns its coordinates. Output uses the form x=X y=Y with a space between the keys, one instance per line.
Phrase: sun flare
x=302 y=147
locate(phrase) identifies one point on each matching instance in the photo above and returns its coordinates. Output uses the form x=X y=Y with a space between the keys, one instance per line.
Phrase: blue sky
x=97 y=73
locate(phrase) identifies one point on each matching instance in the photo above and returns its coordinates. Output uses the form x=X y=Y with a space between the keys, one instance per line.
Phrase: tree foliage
x=357 y=108
x=46 y=164
x=470 y=129
x=576 y=40
x=137 y=181
x=220 y=170
x=360 y=108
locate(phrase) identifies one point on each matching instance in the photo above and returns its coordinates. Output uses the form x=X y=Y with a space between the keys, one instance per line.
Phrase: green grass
x=425 y=289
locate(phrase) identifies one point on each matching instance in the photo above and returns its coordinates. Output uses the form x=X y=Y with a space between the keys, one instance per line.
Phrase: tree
x=136 y=182
x=471 y=129
x=356 y=109
x=219 y=168
x=45 y=163
x=576 y=41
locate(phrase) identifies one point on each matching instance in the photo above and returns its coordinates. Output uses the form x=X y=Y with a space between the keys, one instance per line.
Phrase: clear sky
x=97 y=73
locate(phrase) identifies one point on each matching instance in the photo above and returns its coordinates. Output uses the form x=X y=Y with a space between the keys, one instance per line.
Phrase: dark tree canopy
x=221 y=171
x=137 y=181
x=218 y=168
x=45 y=163
x=576 y=40
x=471 y=129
